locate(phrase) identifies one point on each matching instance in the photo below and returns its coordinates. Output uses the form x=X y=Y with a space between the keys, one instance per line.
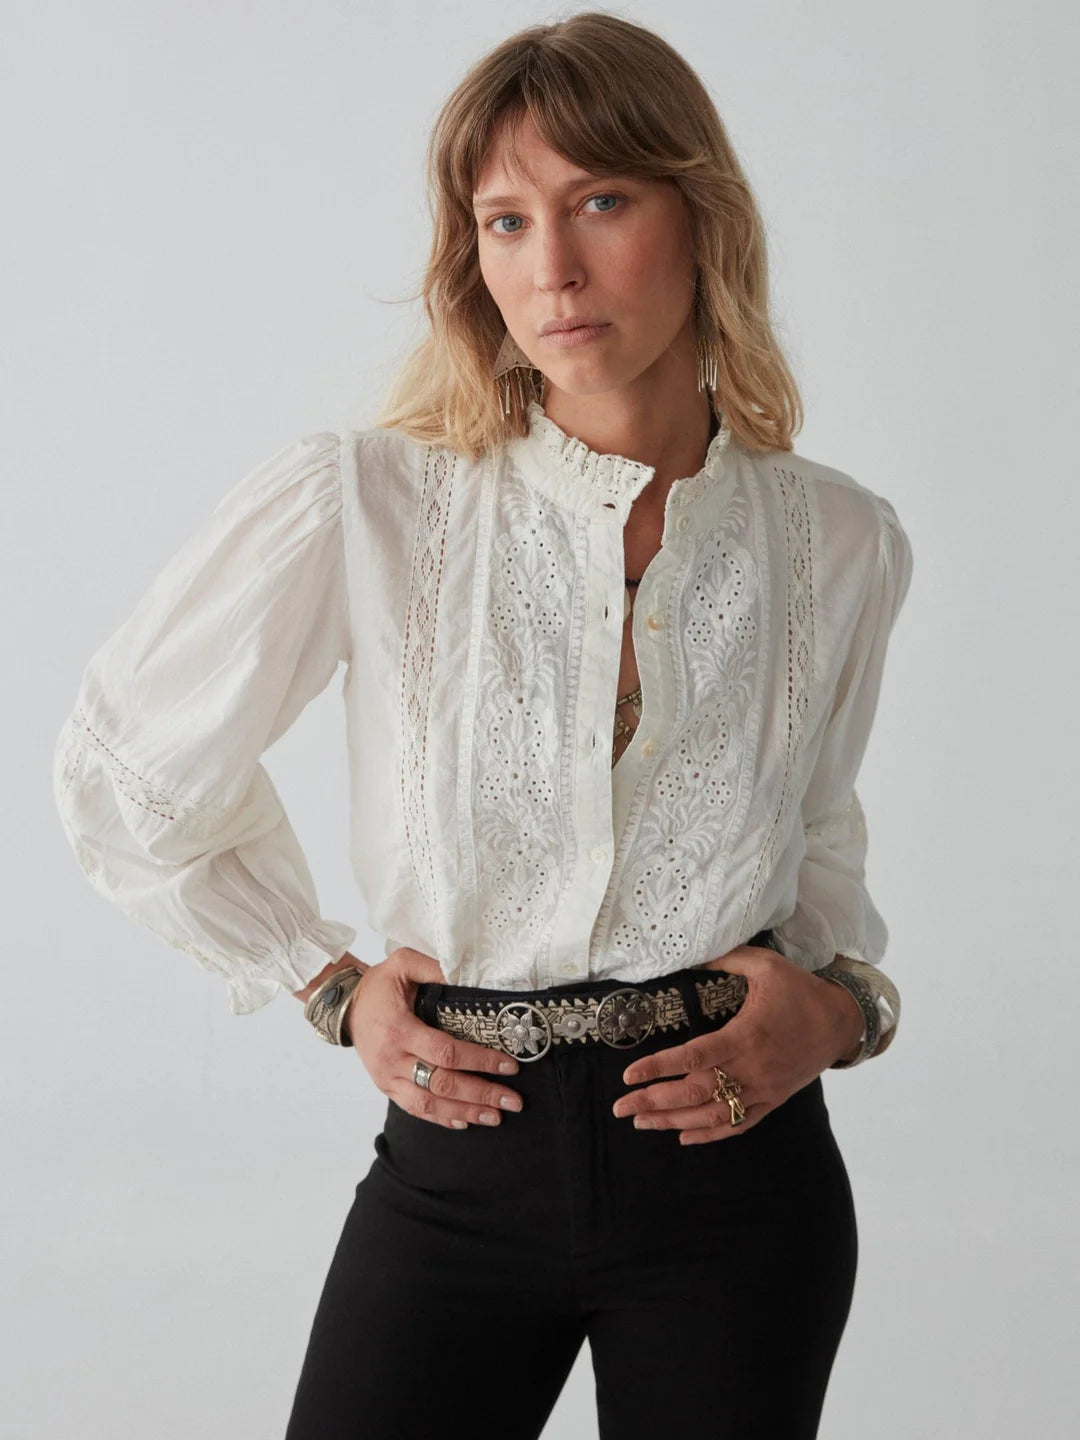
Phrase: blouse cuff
x=294 y=970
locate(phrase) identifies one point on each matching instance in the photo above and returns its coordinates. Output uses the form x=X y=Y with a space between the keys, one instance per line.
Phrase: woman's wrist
x=344 y=963
x=329 y=1004
x=850 y=1025
x=347 y=1037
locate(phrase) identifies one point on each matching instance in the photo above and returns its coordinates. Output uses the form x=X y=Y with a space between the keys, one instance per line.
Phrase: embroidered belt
x=622 y=1018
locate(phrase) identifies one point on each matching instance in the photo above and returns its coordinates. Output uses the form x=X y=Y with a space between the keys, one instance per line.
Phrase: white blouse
x=478 y=609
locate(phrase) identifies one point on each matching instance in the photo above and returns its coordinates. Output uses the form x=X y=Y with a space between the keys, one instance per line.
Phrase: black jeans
x=713 y=1282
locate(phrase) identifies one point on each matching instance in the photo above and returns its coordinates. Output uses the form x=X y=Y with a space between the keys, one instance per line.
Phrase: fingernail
x=488 y=1117
x=508 y=1067
x=509 y=1102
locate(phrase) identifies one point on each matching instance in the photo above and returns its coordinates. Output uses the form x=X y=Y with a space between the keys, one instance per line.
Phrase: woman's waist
x=613 y=1011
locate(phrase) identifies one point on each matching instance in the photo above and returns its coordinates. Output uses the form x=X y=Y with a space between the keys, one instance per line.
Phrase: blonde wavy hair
x=606 y=95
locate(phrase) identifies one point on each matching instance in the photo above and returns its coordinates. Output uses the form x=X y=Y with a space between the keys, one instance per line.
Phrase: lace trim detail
x=195 y=818
x=418 y=660
x=800 y=664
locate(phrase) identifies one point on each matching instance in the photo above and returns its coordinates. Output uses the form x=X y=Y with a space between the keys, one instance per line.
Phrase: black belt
x=621 y=1017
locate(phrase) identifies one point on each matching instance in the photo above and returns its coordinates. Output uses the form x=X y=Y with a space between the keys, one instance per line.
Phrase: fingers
x=414 y=965
x=390 y=1038
x=710 y=1115
x=675 y=1061
x=703 y=1118
x=688 y=1105
x=703 y=1134
x=455 y=1096
x=688 y=1091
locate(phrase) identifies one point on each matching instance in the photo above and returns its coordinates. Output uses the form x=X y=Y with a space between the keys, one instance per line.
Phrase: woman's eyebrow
x=484 y=202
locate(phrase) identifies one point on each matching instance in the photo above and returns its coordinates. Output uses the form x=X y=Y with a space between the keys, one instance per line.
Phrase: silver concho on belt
x=625 y=1017
x=621 y=1019
x=521 y=1027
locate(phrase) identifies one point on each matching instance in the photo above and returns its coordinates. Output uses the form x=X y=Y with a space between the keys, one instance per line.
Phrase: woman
x=613 y=653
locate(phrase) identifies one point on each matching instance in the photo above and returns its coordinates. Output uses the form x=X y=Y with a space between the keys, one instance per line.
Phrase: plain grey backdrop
x=213 y=212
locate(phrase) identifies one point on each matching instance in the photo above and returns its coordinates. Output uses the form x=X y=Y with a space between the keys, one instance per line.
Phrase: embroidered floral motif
x=677 y=834
x=523 y=739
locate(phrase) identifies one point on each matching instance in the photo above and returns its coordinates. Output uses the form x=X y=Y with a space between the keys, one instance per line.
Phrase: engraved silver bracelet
x=864 y=996
x=326 y=1006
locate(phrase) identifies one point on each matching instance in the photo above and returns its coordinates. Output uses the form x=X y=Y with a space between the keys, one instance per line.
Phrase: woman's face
x=614 y=249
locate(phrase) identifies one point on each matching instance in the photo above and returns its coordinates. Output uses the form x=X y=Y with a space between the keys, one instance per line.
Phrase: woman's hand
x=788 y=1030
x=389 y=1037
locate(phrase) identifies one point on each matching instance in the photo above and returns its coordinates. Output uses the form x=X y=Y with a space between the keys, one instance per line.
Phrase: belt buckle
x=521 y=1026
x=625 y=1017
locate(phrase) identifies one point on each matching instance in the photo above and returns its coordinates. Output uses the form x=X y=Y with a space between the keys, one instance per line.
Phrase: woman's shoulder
x=378 y=448
x=383 y=464
x=844 y=505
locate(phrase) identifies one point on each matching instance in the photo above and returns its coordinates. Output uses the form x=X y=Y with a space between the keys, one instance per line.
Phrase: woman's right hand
x=390 y=1037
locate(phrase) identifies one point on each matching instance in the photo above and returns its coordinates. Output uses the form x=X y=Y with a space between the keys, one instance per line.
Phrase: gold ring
x=728 y=1090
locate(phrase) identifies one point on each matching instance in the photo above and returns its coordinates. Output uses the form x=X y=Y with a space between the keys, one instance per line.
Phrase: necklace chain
x=634 y=694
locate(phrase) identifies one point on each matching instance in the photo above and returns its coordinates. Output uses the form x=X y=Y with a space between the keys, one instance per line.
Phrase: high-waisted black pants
x=712 y=1281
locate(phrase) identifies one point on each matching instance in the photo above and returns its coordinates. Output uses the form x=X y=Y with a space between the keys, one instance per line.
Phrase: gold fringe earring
x=512 y=358
x=708 y=365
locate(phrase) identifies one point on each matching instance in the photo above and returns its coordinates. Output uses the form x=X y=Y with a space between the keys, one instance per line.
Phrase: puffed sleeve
x=834 y=914
x=156 y=770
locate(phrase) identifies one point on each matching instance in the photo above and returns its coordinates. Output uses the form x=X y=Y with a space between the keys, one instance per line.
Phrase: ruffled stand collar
x=548 y=451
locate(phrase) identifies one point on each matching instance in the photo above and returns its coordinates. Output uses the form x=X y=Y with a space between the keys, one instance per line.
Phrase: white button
x=568 y=967
x=598 y=853
x=655 y=622
x=682 y=522
x=648 y=747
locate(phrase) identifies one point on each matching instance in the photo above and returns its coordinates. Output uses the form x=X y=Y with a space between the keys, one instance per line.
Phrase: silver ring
x=523 y=1030
x=422 y=1074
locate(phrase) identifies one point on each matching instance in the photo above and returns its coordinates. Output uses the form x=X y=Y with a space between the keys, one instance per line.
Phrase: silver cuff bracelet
x=326 y=1006
x=855 y=985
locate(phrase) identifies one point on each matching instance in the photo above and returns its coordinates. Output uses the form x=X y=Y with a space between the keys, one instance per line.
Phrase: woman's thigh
x=723 y=1321
x=436 y=1317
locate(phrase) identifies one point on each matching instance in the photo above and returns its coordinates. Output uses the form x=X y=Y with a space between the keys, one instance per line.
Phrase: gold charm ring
x=728 y=1090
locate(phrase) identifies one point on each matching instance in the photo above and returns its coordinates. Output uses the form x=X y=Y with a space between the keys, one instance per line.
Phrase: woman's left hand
x=791 y=1026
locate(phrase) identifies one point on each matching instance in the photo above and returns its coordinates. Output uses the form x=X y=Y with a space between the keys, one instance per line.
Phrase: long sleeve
x=835 y=920
x=156 y=771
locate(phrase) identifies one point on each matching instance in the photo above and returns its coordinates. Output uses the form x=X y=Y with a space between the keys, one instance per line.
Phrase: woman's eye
x=492 y=223
x=506 y=233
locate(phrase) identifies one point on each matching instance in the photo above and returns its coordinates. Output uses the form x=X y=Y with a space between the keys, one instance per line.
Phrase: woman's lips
x=580 y=335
